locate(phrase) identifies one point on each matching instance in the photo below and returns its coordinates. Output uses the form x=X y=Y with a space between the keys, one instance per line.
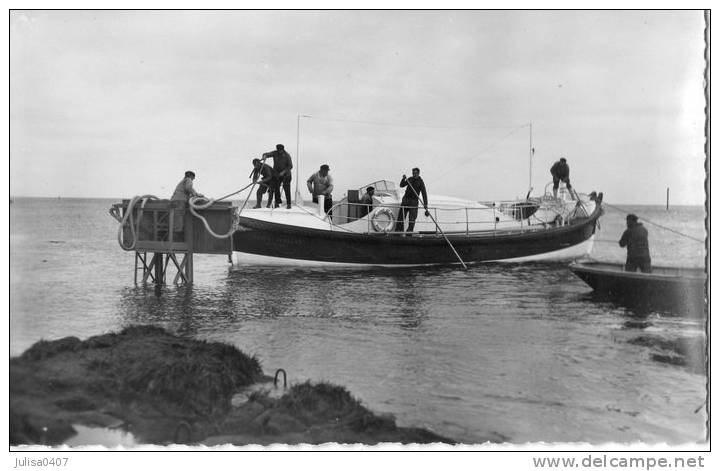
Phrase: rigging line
x=405 y=125
x=702 y=241
x=483 y=150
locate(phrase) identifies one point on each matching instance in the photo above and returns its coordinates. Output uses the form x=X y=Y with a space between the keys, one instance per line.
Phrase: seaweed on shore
x=170 y=389
x=196 y=377
x=313 y=413
x=325 y=401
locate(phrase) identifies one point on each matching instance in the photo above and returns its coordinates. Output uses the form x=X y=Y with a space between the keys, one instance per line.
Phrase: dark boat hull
x=293 y=242
x=673 y=289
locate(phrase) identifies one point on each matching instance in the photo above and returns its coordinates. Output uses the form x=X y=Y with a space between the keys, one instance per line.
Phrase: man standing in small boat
x=182 y=194
x=268 y=182
x=320 y=183
x=635 y=238
x=560 y=172
x=282 y=164
x=409 y=204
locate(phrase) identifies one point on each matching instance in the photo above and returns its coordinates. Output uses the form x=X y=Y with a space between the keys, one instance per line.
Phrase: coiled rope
x=702 y=241
x=124 y=219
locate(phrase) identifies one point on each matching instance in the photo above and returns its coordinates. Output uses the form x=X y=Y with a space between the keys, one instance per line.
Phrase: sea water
x=508 y=353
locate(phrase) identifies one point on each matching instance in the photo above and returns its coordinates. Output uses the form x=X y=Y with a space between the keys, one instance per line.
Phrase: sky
x=115 y=104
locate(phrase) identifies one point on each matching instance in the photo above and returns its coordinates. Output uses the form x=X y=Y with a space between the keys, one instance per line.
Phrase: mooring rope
x=252 y=185
x=194 y=205
x=702 y=241
x=211 y=200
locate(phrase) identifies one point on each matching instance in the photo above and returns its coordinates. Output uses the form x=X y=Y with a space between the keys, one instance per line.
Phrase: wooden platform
x=154 y=227
x=158 y=216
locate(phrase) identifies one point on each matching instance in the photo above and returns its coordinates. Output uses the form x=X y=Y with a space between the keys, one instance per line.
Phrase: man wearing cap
x=282 y=164
x=560 y=172
x=409 y=204
x=183 y=192
x=367 y=201
x=321 y=183
x=635 y=238
x=268 y=182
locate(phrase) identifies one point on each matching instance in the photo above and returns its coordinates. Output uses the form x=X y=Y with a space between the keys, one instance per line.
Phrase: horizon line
x=130 y=197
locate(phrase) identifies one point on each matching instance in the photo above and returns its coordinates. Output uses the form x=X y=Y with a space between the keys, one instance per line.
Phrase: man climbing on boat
x=635 y=238
x=560 y=172
x=321 y=183
x=282 y=164
x=409 y=204
x=268 y=183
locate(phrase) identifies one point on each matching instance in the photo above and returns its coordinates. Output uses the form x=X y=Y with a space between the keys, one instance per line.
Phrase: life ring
x=383 y=220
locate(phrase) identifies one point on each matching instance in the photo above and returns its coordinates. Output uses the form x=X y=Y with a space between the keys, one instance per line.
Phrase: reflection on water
x=269 y=293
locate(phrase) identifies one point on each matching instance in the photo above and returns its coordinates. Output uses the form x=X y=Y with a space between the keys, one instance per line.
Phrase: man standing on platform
x=183 y=192
x=282 y=164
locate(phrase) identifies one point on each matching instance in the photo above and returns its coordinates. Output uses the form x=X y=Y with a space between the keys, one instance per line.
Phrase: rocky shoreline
x=166 y=389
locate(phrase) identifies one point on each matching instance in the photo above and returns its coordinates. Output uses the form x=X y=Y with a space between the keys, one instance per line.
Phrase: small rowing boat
x=681 y=290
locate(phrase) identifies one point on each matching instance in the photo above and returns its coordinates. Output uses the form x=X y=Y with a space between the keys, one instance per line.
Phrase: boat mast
x=297 y=160
x=532 y=153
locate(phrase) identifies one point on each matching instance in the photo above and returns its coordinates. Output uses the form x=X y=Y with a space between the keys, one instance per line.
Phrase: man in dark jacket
x=282 y=164
x=635 y=238
x=409 y=205
x=367 y=201
x=268 y=182
x=560 y=172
